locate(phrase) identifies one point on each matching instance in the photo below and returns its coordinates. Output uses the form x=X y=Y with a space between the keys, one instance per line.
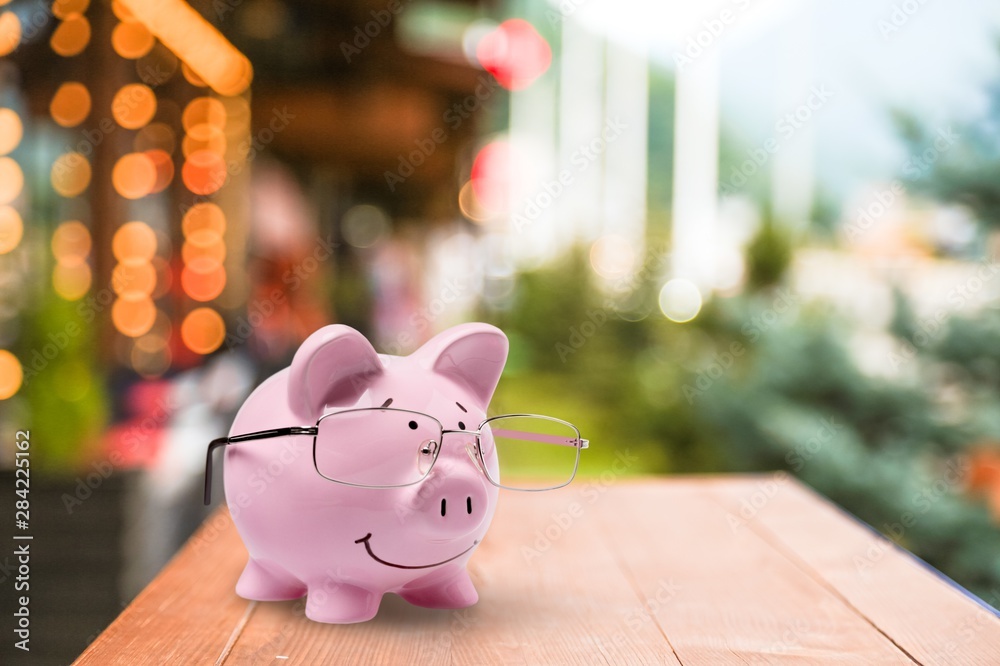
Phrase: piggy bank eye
x=413 y=425
x=461 y=425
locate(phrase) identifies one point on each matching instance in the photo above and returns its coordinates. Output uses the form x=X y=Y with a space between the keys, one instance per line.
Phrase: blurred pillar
x=626 y=142
x=696 y=170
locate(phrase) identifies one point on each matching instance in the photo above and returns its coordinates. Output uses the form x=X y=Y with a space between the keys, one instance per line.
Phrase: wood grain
x=643 y=572
x=930 y=617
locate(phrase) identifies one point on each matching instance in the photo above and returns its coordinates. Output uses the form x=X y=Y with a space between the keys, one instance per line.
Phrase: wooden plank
x=550 y=593
x=737 y=598
x=919 y=610
x=187 y=614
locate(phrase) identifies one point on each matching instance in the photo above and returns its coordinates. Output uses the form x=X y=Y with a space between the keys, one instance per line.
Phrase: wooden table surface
x=701 y=570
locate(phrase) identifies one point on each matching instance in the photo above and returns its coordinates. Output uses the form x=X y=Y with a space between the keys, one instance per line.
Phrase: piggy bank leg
x=340 y=603
x=453 y=590
x=261 y=582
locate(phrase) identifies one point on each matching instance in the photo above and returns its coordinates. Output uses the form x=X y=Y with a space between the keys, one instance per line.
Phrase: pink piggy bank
x=351 y=474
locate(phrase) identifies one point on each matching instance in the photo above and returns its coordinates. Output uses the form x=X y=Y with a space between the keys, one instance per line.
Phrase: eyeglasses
x=412 y=441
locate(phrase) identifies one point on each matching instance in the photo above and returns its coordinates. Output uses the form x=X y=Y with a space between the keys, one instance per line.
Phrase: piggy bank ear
x=334 y=365
x=472 y=355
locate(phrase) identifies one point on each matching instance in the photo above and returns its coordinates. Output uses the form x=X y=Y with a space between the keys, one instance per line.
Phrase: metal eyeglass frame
x=578 y=443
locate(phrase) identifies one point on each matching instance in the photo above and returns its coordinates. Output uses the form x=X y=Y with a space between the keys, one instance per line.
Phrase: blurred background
x=721 y=236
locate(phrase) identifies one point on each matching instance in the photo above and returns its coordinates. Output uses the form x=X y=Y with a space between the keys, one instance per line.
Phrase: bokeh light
x=134 y=106
x=133 y=315
x=204 y=137
x=680 y=300
x=134 y=278
x=132 y=40
x=612 y=256
x=134 y=240
x=203 y=279
x=10 y=33
x=204 y=111
x=70 y=174
x=11 y=229
x=204 y=172
x=10 y=374
x=164 y=169
x=63 y=9
x=70 y=105
x=134 y=176
x=11 y=180
x=191 y=77
x=203 y=330
x=71 y=36
x=71 y=243
x=515 y=54
x=469 y=204
x=71 y=282
x=364 y=225
x=150 y=356
x=491 y=176
x=11 y=130
x=204 y=215
x=204 y=244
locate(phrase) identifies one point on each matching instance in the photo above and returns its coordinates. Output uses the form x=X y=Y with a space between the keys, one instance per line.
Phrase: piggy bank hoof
x=344 y=604
x=267 y=583
x=455 y=592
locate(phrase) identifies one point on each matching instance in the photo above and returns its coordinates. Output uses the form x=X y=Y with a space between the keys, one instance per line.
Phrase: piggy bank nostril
x=468 y=504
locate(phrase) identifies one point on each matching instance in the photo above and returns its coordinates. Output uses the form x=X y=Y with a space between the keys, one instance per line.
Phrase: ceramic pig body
x=346 y=546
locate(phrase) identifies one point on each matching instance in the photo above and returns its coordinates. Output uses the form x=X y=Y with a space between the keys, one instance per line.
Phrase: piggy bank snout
x=451 y=505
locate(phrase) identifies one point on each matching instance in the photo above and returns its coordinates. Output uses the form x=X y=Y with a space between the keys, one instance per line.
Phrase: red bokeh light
x=515 y=54
x=491 y=176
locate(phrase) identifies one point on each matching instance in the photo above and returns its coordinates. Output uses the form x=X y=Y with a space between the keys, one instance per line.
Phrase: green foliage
x=768 y=255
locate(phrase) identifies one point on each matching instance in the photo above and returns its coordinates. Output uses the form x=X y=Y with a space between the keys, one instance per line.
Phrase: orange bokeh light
x=204 y=137
x=132 y=40
x=133 y=315
x=10 y=374
x=70 y=105
x=71 y=243
x=71 y=282
x=203 y=330
x=203 y=279
x=11 y=229
x=204 y=215
x=204 y=172
x=11 y=180
x=191 y=77
x=64 y=8
x=133 y=278
x=164 y=169
x=10 y=33
x=204 y=244
x=204 y=111
x=71 y=36
x=11 y=130
x=134 y=176
x=134 y=240
x=134 y=106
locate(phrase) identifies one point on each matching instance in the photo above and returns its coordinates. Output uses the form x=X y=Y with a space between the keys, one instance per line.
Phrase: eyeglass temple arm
x=260 y=434
x=545 y=439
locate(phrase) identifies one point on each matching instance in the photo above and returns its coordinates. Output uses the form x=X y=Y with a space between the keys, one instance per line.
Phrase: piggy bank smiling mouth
x=366 y=538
